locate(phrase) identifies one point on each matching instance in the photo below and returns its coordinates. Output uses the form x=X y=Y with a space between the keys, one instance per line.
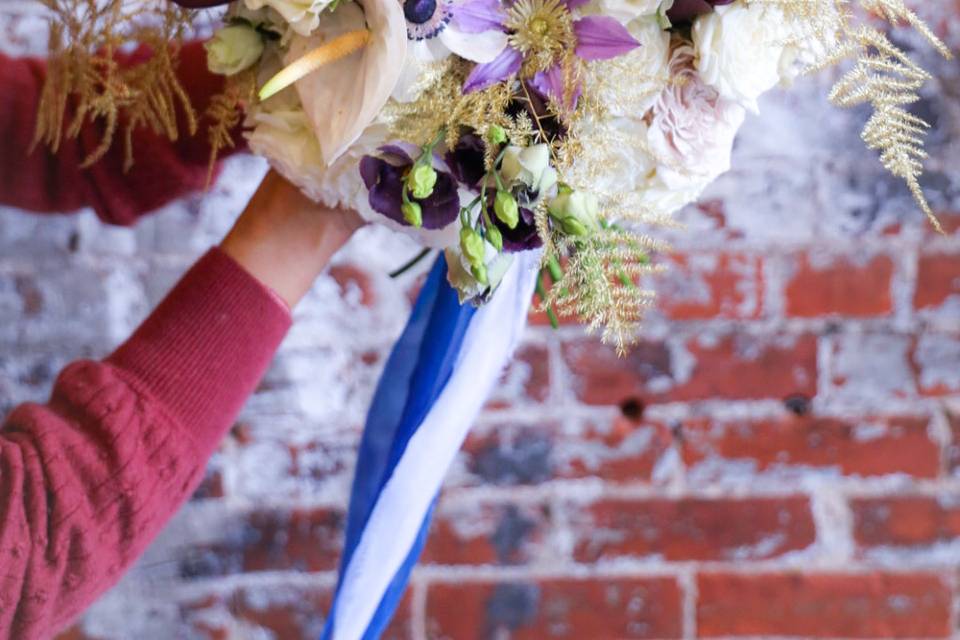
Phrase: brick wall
x=779 y=457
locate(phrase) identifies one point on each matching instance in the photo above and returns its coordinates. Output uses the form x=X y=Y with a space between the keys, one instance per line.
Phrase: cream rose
x=629 y=84
x=739 y=50
x=627 y=10
x=692 y=127
x=303 y=16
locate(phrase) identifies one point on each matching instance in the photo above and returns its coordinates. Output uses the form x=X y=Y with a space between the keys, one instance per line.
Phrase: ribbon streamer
x=435 y=382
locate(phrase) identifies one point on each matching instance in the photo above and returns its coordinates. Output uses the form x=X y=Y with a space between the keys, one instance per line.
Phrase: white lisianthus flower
x=530 y=166
x=577 y=212
x=739 y=50
x=303 y=16
x=692 y=126
x=233 y=48
x=461 y=278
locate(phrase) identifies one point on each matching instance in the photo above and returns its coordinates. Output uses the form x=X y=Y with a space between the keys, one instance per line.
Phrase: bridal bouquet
x=537 y=143
x=487 y=128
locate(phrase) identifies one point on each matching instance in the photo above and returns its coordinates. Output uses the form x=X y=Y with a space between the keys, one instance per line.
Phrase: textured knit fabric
x=43 y=181
x=88 y=480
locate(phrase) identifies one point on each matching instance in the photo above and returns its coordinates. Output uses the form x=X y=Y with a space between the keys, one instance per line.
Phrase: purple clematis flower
x=466 y=160
x=687 y=10
x=598 y=38
x=383 y=176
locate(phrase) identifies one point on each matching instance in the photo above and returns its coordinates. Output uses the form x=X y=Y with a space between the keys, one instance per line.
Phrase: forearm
x=91 y=477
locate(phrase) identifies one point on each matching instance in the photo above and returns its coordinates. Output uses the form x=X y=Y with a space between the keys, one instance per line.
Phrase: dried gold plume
x=85 y=77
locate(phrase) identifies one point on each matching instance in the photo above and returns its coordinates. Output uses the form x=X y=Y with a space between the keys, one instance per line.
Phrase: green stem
x=409 y=264
x=542 y=293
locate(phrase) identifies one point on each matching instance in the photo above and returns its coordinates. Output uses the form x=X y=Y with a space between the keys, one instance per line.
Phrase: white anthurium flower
x=343 y=97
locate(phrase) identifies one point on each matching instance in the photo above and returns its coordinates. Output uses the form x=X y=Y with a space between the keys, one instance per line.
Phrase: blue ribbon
x=416 y=372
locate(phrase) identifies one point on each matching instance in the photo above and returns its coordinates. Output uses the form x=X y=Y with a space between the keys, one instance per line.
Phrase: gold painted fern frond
x=883 y=76
x=599 y=284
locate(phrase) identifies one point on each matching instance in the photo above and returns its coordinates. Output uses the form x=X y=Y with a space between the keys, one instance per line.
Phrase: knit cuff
x=204 y=349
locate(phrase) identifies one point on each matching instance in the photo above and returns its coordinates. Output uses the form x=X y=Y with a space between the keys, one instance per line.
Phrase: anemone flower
x=471 y=29
x=383 y=175
x=541 y=31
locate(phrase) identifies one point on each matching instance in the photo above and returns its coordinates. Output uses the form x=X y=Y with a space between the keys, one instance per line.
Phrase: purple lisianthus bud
x=523 y=236
x=466 y=160
x=687 y=10
x=384 y=179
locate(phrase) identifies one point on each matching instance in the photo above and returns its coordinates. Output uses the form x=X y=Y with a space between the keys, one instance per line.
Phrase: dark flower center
x=419 y=11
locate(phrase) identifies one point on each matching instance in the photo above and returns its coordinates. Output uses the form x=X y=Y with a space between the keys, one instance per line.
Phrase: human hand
x=285 y=240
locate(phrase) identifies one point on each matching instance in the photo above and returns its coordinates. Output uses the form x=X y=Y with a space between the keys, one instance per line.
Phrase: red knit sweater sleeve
x=43 y=181
x=91 y=477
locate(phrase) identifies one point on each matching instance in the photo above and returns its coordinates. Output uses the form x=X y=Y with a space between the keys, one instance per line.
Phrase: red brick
x=485 y=534
x=525 y=380
x=908 y=521
x=841 y=287
x=953 y=451
x=702 y=286
x=354 y=281
x=935 y=360
x=600 y=609
x=823 y=605
x=733 y=367
x=694 y=528
x=938 y=280
x=272 y=540
x=290 y=612
x=511 y=454
x=621 y=451
x=865 y=447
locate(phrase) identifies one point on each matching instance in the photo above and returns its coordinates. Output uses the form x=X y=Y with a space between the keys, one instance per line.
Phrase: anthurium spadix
x=346 y=69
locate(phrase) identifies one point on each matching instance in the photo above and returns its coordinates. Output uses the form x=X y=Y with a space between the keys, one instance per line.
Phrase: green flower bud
x=412 y=213
x=506 y=208
x=496 y=134
x=573 y=227
x=421 y=180
x=233 y=49
x=479 y=272
x=576 y=211
x=495 y=238
x=472 y=246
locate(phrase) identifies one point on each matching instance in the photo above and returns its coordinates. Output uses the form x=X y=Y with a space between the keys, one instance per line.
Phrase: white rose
x=617 y=160
x=739 y=49
x=692 y=127
x=303 y=16
x=626 y=10
x=629 y=84
x=233 y=49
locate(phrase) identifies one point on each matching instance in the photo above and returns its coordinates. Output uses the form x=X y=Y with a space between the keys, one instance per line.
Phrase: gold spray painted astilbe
x=883 y=76
x=84 y=76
